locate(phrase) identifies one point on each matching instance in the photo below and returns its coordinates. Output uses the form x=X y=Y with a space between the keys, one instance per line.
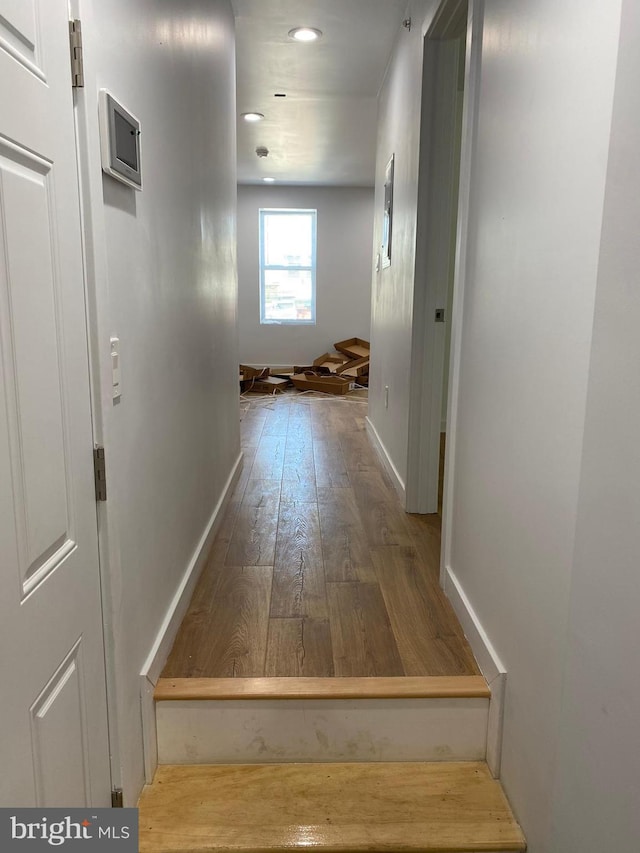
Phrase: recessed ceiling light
x=268 y=180
x=305 y=34
x=252 y=116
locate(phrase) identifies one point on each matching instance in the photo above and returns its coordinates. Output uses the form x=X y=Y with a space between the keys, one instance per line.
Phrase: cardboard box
x=258 y=380
x=332 y=361
x=326 y=384
x=354 y=348
x=248 y=372
x=357 y=367
x=264 y=385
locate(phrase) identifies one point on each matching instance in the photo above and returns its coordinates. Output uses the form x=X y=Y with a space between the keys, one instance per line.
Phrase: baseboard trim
x=489 y=662
x=176 y=611
x=389 y=467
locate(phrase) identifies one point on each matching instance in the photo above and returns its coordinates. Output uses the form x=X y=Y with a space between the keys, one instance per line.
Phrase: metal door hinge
x=100 y=473
x=75 y=44
x=116 y=799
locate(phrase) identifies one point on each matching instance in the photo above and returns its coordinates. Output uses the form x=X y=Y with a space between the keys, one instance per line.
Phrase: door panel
x=19 y=32
x=53 y=738
x=32 y=365
x=58 y=730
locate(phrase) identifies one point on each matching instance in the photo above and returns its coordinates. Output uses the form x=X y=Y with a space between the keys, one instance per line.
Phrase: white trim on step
x=176 y=611
x=490 y=665
x=389 y=467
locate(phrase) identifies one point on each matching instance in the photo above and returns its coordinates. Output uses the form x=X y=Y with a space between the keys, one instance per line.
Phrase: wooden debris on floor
x=331 y=373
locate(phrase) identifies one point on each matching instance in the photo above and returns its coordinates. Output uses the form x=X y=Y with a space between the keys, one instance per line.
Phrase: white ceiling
x=324 y=131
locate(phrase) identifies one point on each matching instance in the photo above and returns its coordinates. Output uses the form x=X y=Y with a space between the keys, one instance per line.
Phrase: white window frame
x=281 y=211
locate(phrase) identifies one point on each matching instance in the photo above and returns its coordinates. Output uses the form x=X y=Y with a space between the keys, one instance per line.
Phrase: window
x=288 y=266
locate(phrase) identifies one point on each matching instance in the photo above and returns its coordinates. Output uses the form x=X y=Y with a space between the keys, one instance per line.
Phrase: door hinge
x=116 y=799
x=75 y=44
x=100 y=473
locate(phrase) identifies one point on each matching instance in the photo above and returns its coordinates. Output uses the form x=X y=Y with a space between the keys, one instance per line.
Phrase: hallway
x=316 y=570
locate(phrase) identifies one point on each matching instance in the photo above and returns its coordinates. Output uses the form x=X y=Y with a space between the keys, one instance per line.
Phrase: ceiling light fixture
x=252 y=116
x=305 y=34
x=268 y=180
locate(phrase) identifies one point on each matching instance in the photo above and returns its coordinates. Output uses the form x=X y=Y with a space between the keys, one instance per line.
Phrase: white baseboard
x=248 y=731
x=176 y=611
x=490 y=665
x=389 y=467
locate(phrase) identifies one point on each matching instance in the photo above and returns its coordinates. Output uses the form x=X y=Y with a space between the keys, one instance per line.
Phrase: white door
x=53 y=727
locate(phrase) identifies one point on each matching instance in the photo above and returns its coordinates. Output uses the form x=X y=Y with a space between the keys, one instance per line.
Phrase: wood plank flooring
x=316 y=570
x=432 y=807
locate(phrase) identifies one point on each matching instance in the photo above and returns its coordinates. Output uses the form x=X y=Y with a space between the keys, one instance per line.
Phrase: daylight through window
x=288 y=266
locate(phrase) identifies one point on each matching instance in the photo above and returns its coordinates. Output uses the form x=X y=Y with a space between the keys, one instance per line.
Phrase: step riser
x=302 y=730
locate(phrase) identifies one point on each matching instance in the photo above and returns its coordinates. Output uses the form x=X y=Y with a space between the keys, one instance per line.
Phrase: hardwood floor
x=316 y=570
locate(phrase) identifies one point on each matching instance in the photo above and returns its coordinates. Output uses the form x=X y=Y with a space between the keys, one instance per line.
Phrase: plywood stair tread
x=434 y=687
x=443 y=807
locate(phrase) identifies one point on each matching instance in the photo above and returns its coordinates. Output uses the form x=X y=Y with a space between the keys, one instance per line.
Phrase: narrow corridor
x=316 y=570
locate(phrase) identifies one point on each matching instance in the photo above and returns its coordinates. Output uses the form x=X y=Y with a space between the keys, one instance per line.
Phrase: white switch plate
x=115 y=367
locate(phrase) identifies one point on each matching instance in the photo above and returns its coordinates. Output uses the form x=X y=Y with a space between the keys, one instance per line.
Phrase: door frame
x=433 y=262
x=428 y=341
x=472 y=77
x=96 y=280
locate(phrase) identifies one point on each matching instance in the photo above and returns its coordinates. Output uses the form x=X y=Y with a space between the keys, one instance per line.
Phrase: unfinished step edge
x=414 y=687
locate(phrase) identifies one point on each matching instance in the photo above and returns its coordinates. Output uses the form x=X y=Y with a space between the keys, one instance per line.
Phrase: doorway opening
x=438 y=190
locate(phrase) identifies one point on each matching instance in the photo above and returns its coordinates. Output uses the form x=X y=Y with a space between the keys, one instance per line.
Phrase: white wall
x=163 y=270
x=597 y=788
x=343 y=280
x=392 y=298
x=539 y=170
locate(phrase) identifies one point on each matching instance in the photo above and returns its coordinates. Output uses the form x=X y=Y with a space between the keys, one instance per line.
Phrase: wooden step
x=245 y=720
x=450 y=807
